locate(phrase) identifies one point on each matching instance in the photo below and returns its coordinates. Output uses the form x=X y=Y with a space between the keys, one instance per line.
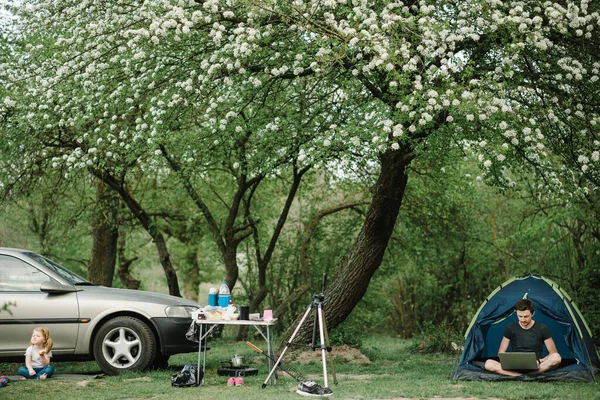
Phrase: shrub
x=436 y=339
x=347 y=333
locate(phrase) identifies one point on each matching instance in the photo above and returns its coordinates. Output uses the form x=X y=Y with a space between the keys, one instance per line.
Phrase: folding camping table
x=258 y=325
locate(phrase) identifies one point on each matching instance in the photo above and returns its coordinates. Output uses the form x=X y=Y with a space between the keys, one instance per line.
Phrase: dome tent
x=554 y=308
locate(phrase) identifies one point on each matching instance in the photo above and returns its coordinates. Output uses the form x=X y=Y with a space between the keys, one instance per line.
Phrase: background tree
x=414 y=80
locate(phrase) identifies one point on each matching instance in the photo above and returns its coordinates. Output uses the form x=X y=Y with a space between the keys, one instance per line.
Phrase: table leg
x=271 y=353
x=199 y=353
x=204 y=355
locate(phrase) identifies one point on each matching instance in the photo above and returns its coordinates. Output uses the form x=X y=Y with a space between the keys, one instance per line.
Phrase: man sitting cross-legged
x=527 y=335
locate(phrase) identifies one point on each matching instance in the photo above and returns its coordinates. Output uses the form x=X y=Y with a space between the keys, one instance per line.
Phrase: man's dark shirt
x=527 y=340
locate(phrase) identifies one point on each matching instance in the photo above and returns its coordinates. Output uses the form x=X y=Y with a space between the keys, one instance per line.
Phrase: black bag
x=188 y=376
x=193 y=333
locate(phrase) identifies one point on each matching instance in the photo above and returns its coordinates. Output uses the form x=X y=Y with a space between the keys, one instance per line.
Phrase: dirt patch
x=346 y=353
x=89 y=383
x=141 y=379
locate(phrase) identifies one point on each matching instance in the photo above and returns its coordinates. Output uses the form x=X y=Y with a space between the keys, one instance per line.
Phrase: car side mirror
x=53 y=287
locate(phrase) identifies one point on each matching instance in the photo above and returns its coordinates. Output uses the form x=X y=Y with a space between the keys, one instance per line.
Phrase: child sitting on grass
x=37 y=356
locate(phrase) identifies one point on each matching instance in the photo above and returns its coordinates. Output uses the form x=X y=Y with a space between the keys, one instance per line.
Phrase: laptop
x=518 y=361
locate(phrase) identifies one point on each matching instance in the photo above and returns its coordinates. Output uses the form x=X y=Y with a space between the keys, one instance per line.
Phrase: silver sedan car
x=123 y=330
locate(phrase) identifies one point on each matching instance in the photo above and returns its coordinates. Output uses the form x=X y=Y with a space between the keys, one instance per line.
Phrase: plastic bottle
x=224 y=295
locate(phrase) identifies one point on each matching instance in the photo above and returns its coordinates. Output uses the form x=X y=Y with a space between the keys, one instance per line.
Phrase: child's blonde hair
x=48 y=343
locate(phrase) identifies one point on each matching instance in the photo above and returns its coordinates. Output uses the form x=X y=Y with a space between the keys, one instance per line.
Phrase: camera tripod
x=318 y=322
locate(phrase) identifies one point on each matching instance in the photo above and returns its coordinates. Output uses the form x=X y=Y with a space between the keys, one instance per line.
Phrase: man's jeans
x=48 y=370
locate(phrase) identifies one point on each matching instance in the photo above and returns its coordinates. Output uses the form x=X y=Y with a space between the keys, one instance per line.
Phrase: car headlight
x=180 y=311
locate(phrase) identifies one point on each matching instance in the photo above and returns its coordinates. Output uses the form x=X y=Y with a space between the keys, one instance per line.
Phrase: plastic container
x=254 y=317
x=224 y=295
x=229 y=312
x=212 y=296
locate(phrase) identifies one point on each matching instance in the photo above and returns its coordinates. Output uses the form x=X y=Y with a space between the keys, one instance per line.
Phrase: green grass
x=393 y=372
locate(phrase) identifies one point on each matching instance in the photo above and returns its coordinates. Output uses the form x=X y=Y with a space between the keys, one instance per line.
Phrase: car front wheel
x=124 y=344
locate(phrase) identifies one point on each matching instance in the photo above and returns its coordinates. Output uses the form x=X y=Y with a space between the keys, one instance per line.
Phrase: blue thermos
x=212 y=296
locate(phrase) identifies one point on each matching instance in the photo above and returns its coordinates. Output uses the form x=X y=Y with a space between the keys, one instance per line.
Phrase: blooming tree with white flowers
x=514 y=83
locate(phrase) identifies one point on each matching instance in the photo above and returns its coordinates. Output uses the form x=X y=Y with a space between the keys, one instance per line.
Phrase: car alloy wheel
x=124 y=344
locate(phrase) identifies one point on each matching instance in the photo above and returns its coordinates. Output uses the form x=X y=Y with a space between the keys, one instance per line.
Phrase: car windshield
x=64 y=273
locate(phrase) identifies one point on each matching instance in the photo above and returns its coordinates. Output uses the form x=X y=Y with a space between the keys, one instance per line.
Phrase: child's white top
x=36 y=359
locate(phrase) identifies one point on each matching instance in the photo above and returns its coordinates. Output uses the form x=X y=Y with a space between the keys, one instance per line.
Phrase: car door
x=23 y=306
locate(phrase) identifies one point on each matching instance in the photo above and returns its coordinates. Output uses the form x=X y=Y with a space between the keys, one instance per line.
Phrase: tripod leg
x=323 y=345
x=287 y=345
x=328 y=344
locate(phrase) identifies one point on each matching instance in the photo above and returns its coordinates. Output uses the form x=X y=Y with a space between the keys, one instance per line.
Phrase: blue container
x=212 y=299
x=224 y=300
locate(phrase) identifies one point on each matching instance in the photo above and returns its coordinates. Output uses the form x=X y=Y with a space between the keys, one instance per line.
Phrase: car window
x=71 y=277
x=18 y=276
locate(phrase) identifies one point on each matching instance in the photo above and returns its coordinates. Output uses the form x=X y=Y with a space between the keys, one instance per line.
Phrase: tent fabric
x=554 y=308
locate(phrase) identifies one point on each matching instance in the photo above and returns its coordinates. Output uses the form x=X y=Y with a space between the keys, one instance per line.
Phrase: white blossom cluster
x=116 y=79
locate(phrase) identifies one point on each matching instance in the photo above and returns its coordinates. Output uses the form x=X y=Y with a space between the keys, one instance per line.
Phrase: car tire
x=124 y=344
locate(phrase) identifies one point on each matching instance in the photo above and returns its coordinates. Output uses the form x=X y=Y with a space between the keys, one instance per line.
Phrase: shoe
x=311 y=388
x=231 y=381
x=238 y=381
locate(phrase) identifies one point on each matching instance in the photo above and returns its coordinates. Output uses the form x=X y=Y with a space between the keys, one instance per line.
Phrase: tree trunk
x=190 y=285
x=105 y=234
x=40 y=227
x=148 y=224
x=157 y=238
x=124 y=263
x=352 y=279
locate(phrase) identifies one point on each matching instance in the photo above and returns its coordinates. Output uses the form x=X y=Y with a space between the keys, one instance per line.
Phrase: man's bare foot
x=43 y=376
x=23 y=378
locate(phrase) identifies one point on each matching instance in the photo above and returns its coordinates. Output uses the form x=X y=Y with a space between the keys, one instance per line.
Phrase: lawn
x=384 y=368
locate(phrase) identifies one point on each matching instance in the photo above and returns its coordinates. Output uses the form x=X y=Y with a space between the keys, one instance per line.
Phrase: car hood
x=126 y=295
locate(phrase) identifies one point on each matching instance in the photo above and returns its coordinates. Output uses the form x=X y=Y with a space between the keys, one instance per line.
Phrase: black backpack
x=188 y=376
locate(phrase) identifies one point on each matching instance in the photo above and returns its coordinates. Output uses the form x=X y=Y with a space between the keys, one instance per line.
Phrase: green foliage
x=439 y=251
x=437 y=339
x=586 y=292
x=347 y=333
